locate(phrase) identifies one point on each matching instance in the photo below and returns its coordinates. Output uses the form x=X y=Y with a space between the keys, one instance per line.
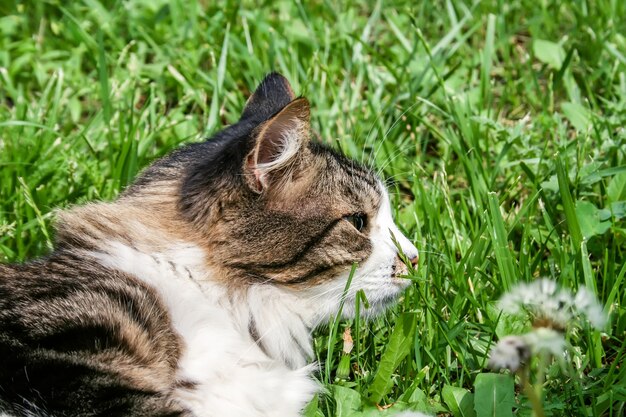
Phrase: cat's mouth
x=402 y=281
x=399 y=273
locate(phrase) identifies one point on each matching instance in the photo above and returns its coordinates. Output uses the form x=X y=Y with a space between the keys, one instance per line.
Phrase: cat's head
x=277 y=208
x=271 y=207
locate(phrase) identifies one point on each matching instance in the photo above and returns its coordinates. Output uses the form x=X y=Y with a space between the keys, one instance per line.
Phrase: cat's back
x=75 y=335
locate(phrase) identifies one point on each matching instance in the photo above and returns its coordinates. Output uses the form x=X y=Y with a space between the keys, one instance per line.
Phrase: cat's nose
x=415 y=261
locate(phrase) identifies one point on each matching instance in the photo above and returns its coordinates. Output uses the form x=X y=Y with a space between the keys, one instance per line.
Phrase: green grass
x=498 y=124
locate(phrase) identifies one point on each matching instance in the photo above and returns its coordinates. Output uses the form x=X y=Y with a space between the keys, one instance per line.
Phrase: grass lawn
x=499 y=126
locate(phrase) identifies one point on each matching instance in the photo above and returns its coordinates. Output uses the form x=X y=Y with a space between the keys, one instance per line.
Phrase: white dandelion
x=514 y=352
x=586 y=302
x=545 y=340
x=553 y=311
x=511 y=352
x=551 y=306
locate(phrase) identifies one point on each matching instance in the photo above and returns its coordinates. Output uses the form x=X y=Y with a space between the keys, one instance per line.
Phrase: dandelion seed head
x=511 y=352
x=545 y=340
x=587 y=303
x=551 y=306
x=514 y=352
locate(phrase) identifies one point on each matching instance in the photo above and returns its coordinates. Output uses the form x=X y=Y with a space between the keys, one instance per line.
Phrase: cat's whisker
x=332 y=290
x=397 y=174
x=386 y=134
x=391 y=159
x=367 y=138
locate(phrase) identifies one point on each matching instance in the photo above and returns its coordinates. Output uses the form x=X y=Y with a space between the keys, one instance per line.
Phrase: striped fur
x=195 y=293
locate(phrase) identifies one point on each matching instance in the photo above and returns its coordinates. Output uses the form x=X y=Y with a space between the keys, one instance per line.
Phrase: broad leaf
x=616 y=191
x=459 y=400
x=506 y=323
x=400 y=344
x=417 y=396
x=494 y=395
x=589 y=219
x=312 y=409
x=549 y=53
x=347 y=402
x=616 y=210
x=577 y=115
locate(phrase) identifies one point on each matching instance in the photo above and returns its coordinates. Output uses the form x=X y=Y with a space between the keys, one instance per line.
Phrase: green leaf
x=494 y=395
x=616 y=210
x=312 y=409
x=616 y=191
x=417 y=396
x=213 y=121
x=549 y=53
x=589 y=219
x=568 y=204
x=413 y=394
x=504 y=257
x=579 y=116
x=400 y=344
x=347 y=401
x=506 y=323
x=459 y=400
x=487 y=58
x=596 y=175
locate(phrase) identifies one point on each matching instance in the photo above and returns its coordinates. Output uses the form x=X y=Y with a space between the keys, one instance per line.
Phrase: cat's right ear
x=272 y=95
x=278 y=143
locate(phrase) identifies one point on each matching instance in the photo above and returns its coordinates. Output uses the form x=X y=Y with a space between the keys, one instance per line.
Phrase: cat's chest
x=220 y=365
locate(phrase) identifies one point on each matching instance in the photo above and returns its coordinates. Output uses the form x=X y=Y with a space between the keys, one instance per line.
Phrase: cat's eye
x=358 y=220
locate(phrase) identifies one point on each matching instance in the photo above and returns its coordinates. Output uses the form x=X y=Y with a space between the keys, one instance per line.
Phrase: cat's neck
x=278 y=321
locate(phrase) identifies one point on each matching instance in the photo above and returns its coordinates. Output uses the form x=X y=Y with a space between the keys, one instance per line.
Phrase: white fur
x=234 y=376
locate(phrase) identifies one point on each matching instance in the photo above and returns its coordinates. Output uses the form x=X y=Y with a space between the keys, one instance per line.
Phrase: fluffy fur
x=195 y=293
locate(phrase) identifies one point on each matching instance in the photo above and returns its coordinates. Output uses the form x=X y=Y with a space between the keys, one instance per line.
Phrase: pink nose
x=415 y=260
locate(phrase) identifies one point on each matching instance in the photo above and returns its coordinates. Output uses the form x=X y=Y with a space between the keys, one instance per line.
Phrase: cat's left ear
x=272 y=95
x=277 y=145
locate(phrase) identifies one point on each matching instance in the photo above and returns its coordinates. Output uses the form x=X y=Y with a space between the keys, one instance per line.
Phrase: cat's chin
x=391 y=298
x=388 y=301
x=379 y=301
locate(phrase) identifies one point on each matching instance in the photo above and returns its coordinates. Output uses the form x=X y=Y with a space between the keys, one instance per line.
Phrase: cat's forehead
x=349 y=181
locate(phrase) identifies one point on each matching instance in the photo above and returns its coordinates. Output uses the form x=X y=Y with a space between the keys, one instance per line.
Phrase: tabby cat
x=196 y=291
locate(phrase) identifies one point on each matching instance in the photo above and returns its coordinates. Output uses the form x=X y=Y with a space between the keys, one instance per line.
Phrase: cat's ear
x=277 y=144
x=269 y=98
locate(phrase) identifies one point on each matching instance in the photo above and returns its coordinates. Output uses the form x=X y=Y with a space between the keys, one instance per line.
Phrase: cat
x=196 y=291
